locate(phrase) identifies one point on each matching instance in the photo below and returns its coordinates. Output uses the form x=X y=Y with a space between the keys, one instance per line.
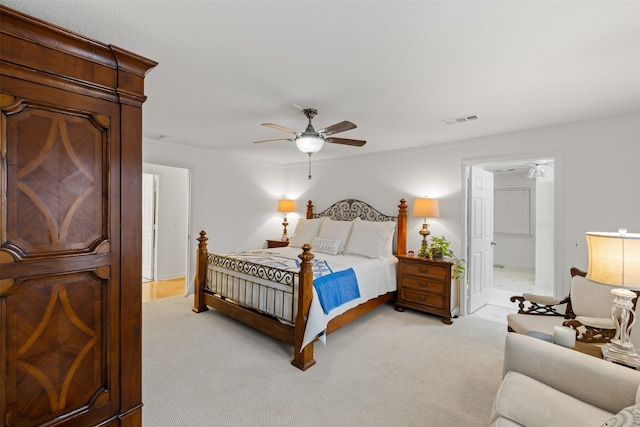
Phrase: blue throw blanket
x=336 y=289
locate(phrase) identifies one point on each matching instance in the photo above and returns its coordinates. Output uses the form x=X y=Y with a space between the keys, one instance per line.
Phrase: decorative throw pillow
x=336 y=230
x=326 y=246
x=628 y=417
x=369 y=238
x=305 y=231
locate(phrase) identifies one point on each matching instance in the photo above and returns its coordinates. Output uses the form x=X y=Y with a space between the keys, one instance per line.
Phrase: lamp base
x=623 y=355
x=424 y=232
x=284 y=237
x=620 y=349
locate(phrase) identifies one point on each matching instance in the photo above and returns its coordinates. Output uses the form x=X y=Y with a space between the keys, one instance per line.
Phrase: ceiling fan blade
x=282 y=128
x=272 y=140
x=338 y=127
x=346 y=141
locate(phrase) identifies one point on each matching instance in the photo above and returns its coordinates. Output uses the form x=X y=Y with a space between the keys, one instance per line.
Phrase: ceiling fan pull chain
x=309 y=165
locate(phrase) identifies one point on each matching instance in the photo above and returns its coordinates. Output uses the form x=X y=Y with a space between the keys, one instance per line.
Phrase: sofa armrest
x=600 y=383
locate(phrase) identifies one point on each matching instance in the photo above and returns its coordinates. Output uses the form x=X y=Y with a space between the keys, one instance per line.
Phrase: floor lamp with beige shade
x=614 y=259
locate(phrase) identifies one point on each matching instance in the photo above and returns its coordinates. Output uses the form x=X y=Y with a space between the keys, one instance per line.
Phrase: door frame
x=154 y=244
x=464 y=217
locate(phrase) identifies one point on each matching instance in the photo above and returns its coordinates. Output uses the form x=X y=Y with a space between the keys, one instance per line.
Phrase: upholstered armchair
x=587 y=309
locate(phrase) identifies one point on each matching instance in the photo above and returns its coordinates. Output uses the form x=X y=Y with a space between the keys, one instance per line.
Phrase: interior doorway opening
x=165 y=212
x=522 y=235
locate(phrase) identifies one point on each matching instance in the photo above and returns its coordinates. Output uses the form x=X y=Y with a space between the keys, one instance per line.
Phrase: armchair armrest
x=539 y=304
x=600 y=383
x=541 y=299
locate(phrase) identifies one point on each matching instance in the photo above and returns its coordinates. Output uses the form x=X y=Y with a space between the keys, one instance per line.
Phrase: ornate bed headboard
x=350 y=209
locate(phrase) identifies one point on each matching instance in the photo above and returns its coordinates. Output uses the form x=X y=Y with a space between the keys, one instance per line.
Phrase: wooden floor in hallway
x=153 y=290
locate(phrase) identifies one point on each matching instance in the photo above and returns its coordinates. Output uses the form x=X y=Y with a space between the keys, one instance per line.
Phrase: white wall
x=596 y=171
x=597 y=177
x=545 y=229
x=172 y=220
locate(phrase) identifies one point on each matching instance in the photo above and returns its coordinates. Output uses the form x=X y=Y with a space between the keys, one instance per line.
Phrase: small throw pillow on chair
x=628 y=417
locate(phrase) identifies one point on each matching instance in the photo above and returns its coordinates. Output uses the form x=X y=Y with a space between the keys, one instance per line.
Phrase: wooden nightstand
x=426 y=285
x=277 y=243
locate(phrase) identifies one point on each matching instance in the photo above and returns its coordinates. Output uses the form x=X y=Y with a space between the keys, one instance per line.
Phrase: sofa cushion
x=599 y=383
x=528 y=402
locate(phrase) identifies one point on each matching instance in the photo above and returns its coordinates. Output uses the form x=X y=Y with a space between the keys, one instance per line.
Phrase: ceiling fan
x=537 y=169
x=311 y=141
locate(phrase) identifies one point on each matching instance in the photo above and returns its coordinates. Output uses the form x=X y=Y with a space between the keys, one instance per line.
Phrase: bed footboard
x=216 y=288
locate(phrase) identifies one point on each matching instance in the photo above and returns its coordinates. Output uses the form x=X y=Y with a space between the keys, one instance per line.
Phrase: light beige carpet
x=385 y=369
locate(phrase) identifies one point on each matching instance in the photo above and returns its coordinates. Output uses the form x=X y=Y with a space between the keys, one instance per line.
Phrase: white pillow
x=369 y=238
x=305 y=231
x=336 y=230
x=388 y=246
x=326 y=246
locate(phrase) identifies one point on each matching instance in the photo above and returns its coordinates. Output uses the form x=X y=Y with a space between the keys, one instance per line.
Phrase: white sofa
x=548 y=385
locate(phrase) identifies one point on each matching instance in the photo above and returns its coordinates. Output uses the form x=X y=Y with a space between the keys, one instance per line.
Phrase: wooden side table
x=277 y=243
x=591 y=349
x=426 y=285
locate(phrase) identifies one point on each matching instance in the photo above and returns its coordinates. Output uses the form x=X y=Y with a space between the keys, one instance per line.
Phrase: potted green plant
x=439 y=247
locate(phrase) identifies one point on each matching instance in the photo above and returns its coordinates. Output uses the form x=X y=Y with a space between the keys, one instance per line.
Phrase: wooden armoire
x=70 y=233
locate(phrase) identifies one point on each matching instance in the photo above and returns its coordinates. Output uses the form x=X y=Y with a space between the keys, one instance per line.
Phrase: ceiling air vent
x=460 y=120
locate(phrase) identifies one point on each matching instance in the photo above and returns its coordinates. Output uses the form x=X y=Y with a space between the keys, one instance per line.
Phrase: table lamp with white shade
x=614 y=259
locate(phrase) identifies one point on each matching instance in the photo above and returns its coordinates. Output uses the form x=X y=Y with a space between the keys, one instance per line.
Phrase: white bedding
x=376 y=276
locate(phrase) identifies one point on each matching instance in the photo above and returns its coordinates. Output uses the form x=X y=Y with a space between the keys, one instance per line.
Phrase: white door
x=148 y=225
x=481 y=237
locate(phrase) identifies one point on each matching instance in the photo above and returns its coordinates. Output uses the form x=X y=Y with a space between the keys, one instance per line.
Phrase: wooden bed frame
x=294 y=334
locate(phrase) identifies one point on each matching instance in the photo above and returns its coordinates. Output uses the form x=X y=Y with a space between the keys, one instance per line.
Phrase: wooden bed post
x=303 y=359
x=201 y=274
x=309 y=210
x=402 y=227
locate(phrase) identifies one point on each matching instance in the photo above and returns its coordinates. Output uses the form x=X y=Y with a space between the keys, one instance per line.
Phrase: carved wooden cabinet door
x=70 y=189
x=60 y=258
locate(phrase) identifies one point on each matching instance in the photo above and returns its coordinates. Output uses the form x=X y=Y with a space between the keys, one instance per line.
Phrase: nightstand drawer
x=432 y=300
x=421 y=284
x=423 y=269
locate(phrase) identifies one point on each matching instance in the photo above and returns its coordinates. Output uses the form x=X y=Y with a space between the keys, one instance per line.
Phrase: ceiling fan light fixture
x=309 y=143
x=536 y=172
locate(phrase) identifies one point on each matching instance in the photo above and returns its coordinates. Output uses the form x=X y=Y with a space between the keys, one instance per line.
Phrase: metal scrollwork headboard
x=350 y=209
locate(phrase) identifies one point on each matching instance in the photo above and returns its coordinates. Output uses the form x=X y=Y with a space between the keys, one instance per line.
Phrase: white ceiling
x=398 y=69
